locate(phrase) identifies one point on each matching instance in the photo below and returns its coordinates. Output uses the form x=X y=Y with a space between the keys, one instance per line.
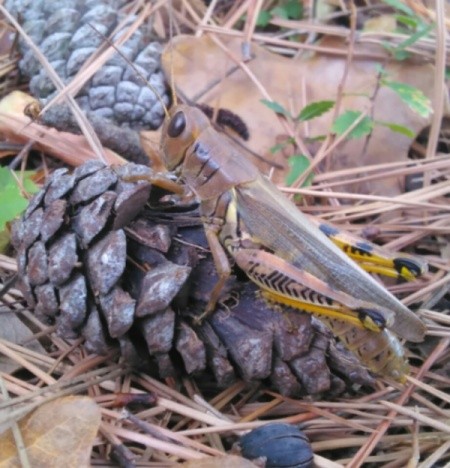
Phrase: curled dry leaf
x=201 y=68
x=15 y=331
x=18 y=127
x=58 y=433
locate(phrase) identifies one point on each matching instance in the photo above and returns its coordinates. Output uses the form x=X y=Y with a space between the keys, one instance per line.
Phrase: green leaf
x=315 y=109
x=294 y=9
x=313 y=139
x=12 y=202
x=413 y=97
x=277 y=108
x=279 y=146
x=298 y=164
x=408 y=21
x=279 y=11
x=28 y=183
x=400 y=6
x=263 y=18
x=421 y=32
x=6 y=177
x=347 y=119
x=397 y=128
x=380 y=70
x=400 y=54
x=291 y=9
x=308 y=181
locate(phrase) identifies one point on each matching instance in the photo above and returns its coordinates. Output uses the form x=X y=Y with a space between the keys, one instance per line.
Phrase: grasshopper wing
x=279 y=226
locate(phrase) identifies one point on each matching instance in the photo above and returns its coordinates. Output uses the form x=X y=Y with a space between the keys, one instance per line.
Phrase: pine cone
x=97 y=263
x=69 y=34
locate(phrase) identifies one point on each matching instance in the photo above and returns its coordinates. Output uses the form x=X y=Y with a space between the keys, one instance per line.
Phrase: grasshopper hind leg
x=373 y=258
x=223 y=269
x=284 y=283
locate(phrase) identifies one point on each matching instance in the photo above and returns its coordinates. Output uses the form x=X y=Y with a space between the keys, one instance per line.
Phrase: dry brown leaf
x=19 y=128
x=15 y=331
x=199 y=64
x=59 y=433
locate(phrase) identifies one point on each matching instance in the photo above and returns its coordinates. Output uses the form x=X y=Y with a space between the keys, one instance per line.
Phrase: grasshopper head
x=179 y=132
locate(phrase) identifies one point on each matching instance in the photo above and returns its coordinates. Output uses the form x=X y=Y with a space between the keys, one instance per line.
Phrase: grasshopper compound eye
x=177 y=125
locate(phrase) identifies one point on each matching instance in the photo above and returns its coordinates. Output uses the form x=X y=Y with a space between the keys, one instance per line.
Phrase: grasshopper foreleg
x=134 y=173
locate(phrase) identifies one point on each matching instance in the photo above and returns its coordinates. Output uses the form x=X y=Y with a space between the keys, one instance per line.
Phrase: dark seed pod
x=282 y=445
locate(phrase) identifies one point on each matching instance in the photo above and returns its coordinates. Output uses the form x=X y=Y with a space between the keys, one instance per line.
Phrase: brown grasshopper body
x=289 y=257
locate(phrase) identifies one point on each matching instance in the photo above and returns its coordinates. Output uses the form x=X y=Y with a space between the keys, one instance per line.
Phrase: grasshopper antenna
x=172 y=78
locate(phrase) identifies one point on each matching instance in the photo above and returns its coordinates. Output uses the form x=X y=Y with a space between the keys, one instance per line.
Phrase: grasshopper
x=292 y=260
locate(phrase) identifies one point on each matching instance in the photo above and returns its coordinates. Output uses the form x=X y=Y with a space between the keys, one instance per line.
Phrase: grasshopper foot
x=228 y=303
x=210 y=307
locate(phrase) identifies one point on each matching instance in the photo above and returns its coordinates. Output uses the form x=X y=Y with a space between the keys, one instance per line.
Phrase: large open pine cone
x=95 y=261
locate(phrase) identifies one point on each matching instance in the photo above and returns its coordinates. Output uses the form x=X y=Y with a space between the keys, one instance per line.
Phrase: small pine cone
x=69 y=34
x=79 y=246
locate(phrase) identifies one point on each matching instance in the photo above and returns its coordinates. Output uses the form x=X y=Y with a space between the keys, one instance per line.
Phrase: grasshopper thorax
x=180 y=131
x=208 y=163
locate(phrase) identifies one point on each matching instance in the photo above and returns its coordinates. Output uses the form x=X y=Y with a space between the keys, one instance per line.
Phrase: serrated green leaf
x=12 y=203
x=263 y=18
x=400 y=6
x=28 y=183
x=279 y=11
x=308 y=181
x=411 y=96
x=277 y=108
x=291 y=9
x=298 y=164
x=315 y=109
x=294 y=9
x=344 y=121
x=397 y=128
x=6 y=177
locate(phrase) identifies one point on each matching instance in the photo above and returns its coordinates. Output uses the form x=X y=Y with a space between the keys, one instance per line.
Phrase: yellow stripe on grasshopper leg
x=368 y=254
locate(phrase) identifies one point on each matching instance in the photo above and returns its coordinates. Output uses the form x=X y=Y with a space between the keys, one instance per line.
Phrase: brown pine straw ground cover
x=391 y=426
